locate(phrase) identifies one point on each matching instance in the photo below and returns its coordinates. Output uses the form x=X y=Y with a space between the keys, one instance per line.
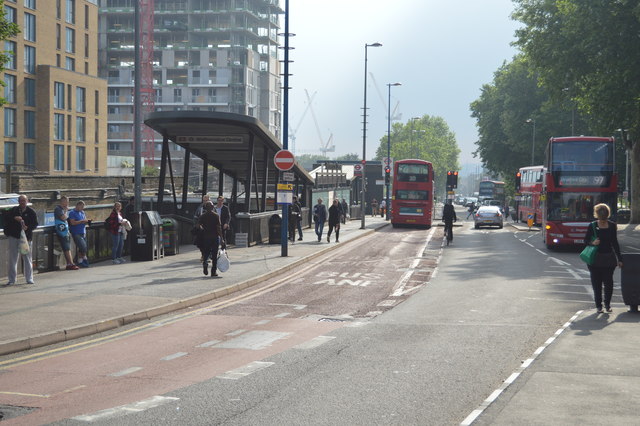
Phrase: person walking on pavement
x=209 y=223
x=608 y=257
x=448 y=217
x=200 y=210
x=374 y=207
x=62 y=231
x=506 y=211
x=19 y=218
x=299 y=223
x=383 y=207
x=319 y=217
x=294 y=217
x=345 y=210
x=116 y=229
x=225 y=216
x=472 y=208
x=334 y=220
x=78 y=223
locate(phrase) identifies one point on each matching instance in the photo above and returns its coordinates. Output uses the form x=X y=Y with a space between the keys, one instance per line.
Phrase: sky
x=442 y=51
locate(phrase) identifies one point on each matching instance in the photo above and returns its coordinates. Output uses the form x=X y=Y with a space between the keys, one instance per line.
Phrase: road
x=389 y=329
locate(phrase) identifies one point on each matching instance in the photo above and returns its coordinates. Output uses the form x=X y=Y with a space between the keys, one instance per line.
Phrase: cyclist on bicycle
x=448 y=217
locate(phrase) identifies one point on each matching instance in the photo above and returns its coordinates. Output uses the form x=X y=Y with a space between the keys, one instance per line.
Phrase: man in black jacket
x=448 y=217
x=225 y=216
x=20 y=218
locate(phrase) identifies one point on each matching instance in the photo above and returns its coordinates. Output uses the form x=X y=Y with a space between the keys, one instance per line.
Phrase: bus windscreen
x=413 y=172
x=582 y=156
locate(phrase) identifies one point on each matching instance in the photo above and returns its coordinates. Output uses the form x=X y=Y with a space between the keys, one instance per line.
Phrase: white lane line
x=573 y=273
x=282 y=315
x=245 y=370
x=123 y=410
x=398 y=289
x=541 y=252
x=208 y=344
x=528 y=243
x=174 y=356
x=558 y=261
x=254 y=340
x=125 y=372
x=494 y=395
x=235 y=333
x=263 y=322
x=315 y=342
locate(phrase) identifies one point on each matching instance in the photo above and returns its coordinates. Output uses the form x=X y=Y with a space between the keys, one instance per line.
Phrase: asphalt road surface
x=393 y=328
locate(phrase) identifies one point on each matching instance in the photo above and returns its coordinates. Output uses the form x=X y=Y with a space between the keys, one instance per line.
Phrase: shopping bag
x=23 y=245
x=223 y=261
x=588 y=255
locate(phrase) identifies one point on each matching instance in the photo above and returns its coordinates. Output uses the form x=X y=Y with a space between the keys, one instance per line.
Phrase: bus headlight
x=555 y=241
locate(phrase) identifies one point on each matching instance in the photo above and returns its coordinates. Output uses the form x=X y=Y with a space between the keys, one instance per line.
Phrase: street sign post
x=284 y=160
x=357 y=170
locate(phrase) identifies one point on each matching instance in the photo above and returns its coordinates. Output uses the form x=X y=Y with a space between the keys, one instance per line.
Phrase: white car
x=488 y=216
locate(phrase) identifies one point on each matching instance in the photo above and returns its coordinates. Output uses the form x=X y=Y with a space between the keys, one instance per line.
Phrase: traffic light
x=518 y=178
x=449 y=178
x=454 y=179
x=387 y=175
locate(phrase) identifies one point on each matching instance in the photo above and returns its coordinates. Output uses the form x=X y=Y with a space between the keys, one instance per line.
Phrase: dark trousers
x=600 y=277
x=337 y=227
x=448 y=226
x=293 y=224
x=209 y=250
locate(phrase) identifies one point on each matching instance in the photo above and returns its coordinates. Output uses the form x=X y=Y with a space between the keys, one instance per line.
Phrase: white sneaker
x=121 y=260
x=116 y=261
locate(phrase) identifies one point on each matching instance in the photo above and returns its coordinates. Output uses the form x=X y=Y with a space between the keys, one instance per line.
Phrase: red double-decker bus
x=530 y=191
x=412 y=199
x=580 y=174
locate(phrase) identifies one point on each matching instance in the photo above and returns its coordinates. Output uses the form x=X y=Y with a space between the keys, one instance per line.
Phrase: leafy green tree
x=588 y=50
x=7 y=30
x=427 y=138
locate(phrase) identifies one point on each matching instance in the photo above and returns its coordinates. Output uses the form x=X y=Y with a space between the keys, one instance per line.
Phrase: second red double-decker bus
x=580 y=174
x=529 y=193
x=412 y=200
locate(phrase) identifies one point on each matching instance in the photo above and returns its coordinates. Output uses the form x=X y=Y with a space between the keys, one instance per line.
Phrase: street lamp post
x=364 y=134
x=388 y=203
x=533 y=138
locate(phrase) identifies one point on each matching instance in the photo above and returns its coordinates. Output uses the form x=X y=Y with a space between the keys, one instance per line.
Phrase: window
x=70 y=64
x=96 y=159
x=10 y=88
x=58 y=60
x=58 y=37
x=29 y=27
x=80 y=159
x=81 y=99
x=70 y=16
x=30 y=124
x=80 y=129
x=58 y=157
x=86 y=68
x=58 y=95
x=30 y=59
x=30 y=4
x=68 y=158
x=86 y=17
x=10 y=47
x=58 y=9
x=58 y=127
x=10 y=14
x=10 y=122
x=86 y=45
x=69 y=94
x=30 y=154
x=29 y=92
x=96 y=132
x=9 y=153
x=97 y=102
x=69 y=118
x=70 y=46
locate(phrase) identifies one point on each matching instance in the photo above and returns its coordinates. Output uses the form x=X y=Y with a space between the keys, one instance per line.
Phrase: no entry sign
x=284 y=160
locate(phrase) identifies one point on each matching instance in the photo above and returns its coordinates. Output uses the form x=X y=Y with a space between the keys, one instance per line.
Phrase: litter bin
x=170 y=236
x=275 y=229
x=630 y=280
x=146 y=236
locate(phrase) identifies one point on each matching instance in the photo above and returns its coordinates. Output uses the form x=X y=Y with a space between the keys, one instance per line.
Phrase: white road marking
x=282 y=315
x=315 y=342
x=495 y=394
x=528 y=243
x=254 y=340
x=558 y=261
x=208 y=344
x=263 y=322
x=174 y=356
x=123 y=410
x=235 y=333
x=399 y=288
x=245 y=370
x=573 y=273
x=296 y=307
x=388 y=302
x=541 y=252
x=125 y=372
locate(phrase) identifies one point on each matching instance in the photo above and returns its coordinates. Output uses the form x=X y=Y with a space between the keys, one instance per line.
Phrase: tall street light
x=389 y=146
x=364 y=133
x=533 y=138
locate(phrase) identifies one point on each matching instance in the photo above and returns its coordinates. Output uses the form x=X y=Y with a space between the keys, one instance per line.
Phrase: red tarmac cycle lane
x=230 y=339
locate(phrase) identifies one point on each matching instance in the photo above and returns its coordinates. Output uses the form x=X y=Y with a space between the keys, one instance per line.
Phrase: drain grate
x=10 y=411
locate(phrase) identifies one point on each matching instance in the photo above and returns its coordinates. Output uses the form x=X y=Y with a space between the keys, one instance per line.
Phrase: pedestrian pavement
x=65 y=305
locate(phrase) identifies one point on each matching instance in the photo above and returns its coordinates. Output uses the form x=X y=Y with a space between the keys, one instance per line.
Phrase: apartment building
x=55 y=118
x=209 y=55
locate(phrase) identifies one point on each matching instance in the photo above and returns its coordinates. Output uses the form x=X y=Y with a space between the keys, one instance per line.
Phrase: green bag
x=588 y=255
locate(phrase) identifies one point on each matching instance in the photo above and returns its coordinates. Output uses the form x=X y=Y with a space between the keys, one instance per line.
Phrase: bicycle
x=448 y=234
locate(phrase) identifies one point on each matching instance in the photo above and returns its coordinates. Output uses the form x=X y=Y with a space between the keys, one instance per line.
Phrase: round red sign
x=284 y=160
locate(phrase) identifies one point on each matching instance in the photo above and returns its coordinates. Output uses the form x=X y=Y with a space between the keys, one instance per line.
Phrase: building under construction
x=200 y=55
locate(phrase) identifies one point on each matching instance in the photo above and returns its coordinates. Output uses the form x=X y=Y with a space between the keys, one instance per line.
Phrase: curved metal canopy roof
x=223 y=140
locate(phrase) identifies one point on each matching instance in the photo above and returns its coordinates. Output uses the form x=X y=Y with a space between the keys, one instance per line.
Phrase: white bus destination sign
x=583 y=180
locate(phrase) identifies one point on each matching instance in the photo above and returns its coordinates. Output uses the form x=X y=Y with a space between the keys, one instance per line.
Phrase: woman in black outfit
x=608 y=255
x=334 y=220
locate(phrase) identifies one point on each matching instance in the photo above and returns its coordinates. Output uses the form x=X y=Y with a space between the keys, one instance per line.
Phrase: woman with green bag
x=606 y=239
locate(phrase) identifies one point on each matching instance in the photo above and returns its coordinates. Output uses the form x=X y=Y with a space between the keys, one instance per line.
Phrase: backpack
x=107 y=223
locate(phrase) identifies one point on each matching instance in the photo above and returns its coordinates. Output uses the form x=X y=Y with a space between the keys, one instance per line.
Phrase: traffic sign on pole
x=284 y=160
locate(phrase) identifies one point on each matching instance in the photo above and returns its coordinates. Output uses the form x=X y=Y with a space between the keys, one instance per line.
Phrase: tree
x=589 y=48
x=349 y=157
x=7 y=30
x=427 y=138
x=307 y=160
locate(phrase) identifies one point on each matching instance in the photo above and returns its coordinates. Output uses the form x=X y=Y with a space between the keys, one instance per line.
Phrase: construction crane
x=293 y=132
x=147 y=95
x=327 y=146
x=395 y=115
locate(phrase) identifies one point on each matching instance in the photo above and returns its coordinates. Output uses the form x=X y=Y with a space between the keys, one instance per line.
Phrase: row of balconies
x=169 y=100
